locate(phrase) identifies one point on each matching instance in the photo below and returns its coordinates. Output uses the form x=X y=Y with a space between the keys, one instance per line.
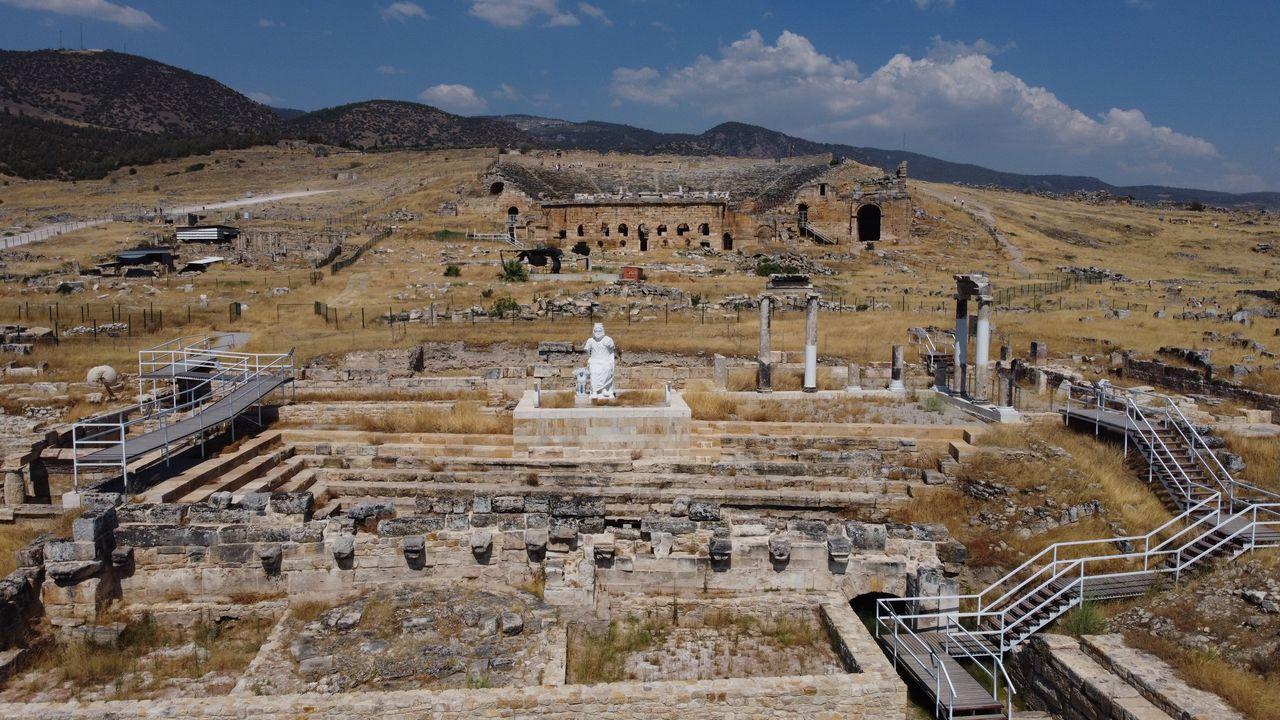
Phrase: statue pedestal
x=602 y=431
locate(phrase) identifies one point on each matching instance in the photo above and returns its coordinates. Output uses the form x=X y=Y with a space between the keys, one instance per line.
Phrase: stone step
x=214 y=467
x=273 y=478
x=239 y=476
x=299 y=482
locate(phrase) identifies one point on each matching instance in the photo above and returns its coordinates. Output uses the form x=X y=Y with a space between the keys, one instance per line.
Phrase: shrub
x=514 y=271
x=452 y=271
x=765 y=268
x=1084 y=619
x=194 y=167
x=502 y=306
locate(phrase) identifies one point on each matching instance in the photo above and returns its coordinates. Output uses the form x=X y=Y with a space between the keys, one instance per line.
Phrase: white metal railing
x=1215 y=518
x=200 y=375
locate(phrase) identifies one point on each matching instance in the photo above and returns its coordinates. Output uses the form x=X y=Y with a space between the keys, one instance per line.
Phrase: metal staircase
x=807 y=228
x=197 y=386
x=1219 y=517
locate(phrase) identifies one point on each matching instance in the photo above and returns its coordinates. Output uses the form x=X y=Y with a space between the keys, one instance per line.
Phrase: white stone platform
x=602 y=430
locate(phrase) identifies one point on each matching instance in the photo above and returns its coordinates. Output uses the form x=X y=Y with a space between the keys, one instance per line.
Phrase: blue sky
x=1132 y=91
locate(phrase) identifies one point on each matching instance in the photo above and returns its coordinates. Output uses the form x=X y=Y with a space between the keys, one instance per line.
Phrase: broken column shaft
x=764 y=366
x=811 y=344
x=895 y=377
x=981 y=350
x=962 y=344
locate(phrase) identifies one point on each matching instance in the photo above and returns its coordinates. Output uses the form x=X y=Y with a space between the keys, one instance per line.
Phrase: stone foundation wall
x=1052 y=673
x=1190 y=380
x=649 y=431
x=813 y=697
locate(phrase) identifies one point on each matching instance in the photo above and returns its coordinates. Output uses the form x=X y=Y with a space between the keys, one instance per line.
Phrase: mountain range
x=79 y=114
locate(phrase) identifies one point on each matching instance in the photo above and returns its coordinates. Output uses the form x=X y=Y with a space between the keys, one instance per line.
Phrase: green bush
x=765 y=268
x=514 y=271
x=1084 y=619
x=452 y=271
x=502 y=306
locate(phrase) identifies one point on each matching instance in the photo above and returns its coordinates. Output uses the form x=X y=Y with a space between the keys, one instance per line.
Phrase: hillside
x=742 y=140
x=399 y=124
x=125 y=92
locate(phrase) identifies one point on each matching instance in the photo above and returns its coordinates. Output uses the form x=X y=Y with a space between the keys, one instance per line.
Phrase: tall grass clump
x=463 y=418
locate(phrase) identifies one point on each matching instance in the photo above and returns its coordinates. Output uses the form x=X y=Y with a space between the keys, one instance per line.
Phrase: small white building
x=208 y=233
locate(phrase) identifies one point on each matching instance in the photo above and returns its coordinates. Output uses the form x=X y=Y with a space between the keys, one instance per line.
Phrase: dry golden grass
x=1255 y=695
x=1088 y=470
x=308 y=610
x=462 y=418
x=783 y=379
x=15 y=536
x=1261 y=457
x=379 y=618
x=376 y=394
x=721 y=406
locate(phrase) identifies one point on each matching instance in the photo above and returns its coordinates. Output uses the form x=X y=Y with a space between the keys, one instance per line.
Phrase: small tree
x=452 y=271
x=514 y=271
x=504 y=305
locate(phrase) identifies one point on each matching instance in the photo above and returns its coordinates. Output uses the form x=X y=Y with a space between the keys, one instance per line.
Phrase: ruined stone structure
x=694 y=204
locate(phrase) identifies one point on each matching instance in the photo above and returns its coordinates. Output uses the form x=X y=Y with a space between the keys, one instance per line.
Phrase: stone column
x=895 y=376
x=962 y=343
x=855 y=377
x=982 y=350
x=811 y=344
x=764 y=366
x=721 y=372
x=15 y=488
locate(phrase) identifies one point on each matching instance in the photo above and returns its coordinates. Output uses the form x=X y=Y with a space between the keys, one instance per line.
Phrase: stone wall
x=1197 y=381
x=593 y=217
x=1052 y=673
x=813 y=697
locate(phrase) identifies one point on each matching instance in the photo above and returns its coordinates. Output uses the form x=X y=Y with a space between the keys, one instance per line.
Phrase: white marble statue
x=582 y=380
x=601 y=358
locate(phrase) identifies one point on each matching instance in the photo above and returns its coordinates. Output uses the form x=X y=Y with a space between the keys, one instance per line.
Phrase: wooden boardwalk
x=969 y=699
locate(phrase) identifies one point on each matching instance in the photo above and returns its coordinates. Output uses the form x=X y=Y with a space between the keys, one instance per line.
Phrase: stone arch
x=802 y=214
x=704 y=229
x=865 y=605
x=604 y=229
x=868 y=222
x=622 y=229
x=726 y=242
x=562 y=234
x=513 y=211
x=497 y=188
x=622 y=243
x=681 y=229
x=765 y=234
x=662 y=230
x=582 y=231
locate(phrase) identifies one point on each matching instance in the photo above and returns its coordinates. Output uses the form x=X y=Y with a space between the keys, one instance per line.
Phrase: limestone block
x=866 y=536
x=292 y=503
x=69 y=551
x=481 y=542
x=72 y=571
x=93 y=525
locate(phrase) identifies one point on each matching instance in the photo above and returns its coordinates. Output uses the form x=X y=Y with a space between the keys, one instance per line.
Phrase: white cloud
x=507 y=92
x=402 y=11
x=594 y=13
x=454 y=98
x=268 y=23
x=519 y=13
x=951 y=103
x=926 y=4
x=264 y=98
x=389 y=70
x=125 y=15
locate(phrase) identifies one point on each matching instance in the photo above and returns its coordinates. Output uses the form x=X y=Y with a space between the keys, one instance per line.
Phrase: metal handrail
x=935 y=663
x=1199 y=520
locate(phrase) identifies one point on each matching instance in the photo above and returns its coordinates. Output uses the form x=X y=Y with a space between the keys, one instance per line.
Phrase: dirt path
x=46 y=232
x=987 y=220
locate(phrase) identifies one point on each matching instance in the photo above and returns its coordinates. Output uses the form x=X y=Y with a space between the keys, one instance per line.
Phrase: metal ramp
x=1219 y=517
x=818 y=236
x=197 y=386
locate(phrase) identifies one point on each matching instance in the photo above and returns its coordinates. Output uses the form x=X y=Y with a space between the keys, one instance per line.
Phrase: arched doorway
x=681 y=229
x=581 y=231
x=622 y=229
x=642 y=232
x=497 y=188
x=865 y=607
x=764 y=234
x=802 y=214
x=726 y=242
x=869 y=223
x=704 y=228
